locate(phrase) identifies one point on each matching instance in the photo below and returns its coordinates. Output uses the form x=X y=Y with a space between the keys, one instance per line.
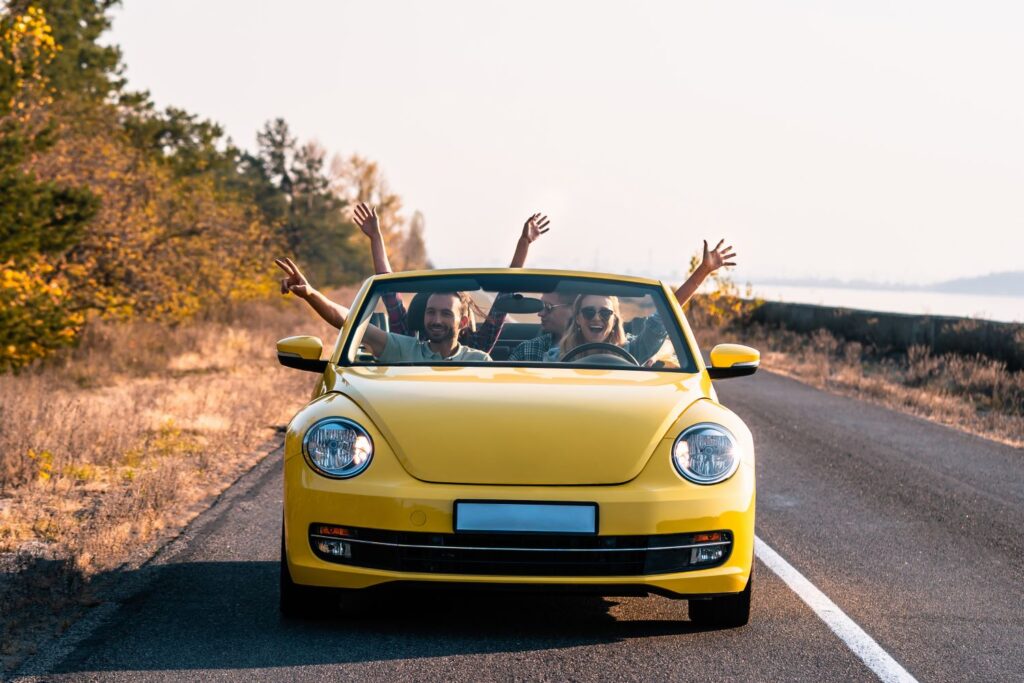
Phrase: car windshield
x=518 y=320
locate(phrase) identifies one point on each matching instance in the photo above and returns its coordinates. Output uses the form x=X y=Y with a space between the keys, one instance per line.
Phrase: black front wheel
x=727 y=611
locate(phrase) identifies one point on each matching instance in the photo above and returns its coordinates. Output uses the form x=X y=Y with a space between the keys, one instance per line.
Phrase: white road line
x=859 y=642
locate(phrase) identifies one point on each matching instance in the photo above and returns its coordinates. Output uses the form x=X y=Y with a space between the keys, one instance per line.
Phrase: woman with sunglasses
x=597 y=319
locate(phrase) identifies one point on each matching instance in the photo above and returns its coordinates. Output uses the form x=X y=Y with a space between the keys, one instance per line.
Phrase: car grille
x=517 y=554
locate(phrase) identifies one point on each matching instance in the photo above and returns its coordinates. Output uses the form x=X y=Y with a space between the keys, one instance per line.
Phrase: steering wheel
x=614 y=350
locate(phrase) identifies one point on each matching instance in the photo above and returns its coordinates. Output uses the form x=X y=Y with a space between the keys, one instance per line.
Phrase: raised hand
x=365 y=217
x=717 y=257
x=535 y=226
x=296 y=282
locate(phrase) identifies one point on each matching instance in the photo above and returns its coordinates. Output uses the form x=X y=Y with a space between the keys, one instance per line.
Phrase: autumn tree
x=36 y=216
x=112 y=207
x=176 y=229
x=39 y=219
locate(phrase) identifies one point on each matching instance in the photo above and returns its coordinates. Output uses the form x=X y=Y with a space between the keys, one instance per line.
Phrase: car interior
x=522 y=322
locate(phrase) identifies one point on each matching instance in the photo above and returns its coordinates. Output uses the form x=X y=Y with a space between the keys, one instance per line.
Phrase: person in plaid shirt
x=554 y=319
x=480 y=337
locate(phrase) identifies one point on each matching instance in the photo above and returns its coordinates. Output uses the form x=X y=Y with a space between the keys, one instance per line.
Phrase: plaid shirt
x=396 y=313
x=482 y=338
x=532 y=349
x=648 y=337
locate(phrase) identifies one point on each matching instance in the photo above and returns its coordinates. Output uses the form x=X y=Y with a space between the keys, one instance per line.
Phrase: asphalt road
x=912 y=529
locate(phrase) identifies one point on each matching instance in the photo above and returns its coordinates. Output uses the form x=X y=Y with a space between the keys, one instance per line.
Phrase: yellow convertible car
x=518 y=428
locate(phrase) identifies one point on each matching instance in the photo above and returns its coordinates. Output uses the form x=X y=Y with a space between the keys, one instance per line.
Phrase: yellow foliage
x=160 y=247
x=34 y=314
x=44 y=463
x=84 y=472
x=26 y=45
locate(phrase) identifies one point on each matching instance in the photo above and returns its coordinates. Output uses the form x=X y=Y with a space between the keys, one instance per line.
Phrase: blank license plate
x=568 y=518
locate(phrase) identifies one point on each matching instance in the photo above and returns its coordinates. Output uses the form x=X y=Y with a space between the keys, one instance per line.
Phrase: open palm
x=535 y=226
x=717 y=257
x=365 y=216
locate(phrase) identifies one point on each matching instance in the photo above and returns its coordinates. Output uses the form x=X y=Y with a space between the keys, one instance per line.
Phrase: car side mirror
x=301 y=353
x=733 y=360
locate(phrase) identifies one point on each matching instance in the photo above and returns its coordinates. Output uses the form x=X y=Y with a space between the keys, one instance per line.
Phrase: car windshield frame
x=674 y=328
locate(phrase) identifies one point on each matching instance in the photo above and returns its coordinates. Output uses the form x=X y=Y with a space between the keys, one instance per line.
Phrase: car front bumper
x=656 y=504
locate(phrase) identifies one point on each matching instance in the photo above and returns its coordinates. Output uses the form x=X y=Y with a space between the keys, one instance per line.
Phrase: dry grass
x=110 y=449
x=973 y=394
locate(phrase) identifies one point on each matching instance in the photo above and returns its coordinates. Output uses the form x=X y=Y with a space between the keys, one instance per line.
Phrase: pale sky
x=876 y=140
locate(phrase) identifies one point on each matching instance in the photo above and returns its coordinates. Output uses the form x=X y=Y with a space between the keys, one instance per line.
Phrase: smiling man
x=446 y=315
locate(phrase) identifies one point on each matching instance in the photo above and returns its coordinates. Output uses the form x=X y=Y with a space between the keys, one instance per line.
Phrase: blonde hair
x=573 y=336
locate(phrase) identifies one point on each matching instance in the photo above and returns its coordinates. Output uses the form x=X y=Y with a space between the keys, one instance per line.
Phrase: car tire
x=727 y=611
x=302 y=601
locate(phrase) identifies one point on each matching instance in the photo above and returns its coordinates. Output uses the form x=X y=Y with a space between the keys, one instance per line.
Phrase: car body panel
x=556 y=426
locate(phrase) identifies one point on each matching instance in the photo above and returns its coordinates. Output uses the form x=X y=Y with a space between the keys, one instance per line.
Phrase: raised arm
x=332 y=312
x=365 y=217
x=297 y=284
x=535 y=226
x=486 y=334
x=712 y=261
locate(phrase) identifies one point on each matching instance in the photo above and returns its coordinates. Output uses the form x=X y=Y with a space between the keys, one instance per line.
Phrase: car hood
x=520 y=426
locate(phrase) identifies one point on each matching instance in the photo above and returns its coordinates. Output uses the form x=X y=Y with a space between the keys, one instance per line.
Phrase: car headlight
x=337 y=448
x=706 y=453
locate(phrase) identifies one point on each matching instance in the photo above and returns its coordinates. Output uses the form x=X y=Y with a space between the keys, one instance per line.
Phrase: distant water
x=1001 y=308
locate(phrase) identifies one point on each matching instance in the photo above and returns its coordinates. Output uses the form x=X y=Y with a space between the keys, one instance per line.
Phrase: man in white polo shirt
x=446 y=315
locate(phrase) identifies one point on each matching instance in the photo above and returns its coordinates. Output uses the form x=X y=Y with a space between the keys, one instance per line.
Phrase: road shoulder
x=115 y=588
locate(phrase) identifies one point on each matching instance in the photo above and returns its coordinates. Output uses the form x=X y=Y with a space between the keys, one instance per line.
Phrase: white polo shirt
x=404 y=349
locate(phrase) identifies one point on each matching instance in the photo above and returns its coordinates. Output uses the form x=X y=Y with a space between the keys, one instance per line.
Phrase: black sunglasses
x=590 y=311
x=547 y=308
